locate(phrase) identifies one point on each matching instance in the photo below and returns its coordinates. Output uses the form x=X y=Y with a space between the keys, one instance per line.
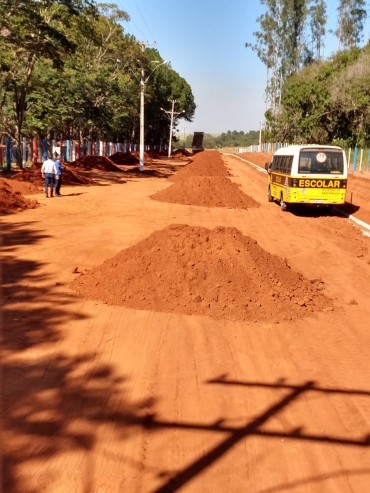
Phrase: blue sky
x=205 y=43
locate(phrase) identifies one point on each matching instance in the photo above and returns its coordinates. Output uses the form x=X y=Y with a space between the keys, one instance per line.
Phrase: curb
x=338 y=211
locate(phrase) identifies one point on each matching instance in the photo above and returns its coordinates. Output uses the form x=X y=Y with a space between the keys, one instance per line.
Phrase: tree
x=33 y=31
x=351 y=17
x=280 y=44
x=318 y=19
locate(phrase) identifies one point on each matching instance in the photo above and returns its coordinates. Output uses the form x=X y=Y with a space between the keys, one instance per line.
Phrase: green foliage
x=68 y=70
x=327 y=102
x=227 y=139
x=308 y=99
x=351 y=17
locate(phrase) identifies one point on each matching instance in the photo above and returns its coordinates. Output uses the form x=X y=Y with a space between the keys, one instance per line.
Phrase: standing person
x=60 y=169
x=49 y=172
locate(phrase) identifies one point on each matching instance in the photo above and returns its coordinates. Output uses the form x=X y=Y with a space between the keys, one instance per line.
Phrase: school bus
x=311 y=175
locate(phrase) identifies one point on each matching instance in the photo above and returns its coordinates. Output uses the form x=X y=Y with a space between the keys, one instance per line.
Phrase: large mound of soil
x=194 y=270
x=33 y=175
x=125 y=158
x=206 y=191
x=207 y=163
x=88 y=163
x=13 y=201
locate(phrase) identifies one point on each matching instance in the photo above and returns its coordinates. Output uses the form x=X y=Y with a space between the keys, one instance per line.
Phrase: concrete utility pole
x=184 y=136
x=260 y=140
x=172 y=113
x=143 y=83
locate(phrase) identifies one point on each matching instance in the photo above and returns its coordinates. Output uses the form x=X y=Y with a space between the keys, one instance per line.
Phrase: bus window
x=287 y=165
x=324 y=162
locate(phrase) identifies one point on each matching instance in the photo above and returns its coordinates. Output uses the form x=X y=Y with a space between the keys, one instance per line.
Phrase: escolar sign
x=321 y=183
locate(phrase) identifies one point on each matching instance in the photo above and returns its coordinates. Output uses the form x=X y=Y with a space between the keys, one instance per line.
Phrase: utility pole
x=260 y=140
x=172 y=113
x=143 y=83
x=184 y=136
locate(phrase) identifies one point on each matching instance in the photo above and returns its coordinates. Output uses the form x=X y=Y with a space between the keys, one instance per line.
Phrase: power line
x=143 y=19
x=128 y=27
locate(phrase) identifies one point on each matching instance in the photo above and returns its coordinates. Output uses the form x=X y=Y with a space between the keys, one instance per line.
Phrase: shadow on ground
x=50 y=400
x=305 y=211
x=54 y=402
x=155 y=170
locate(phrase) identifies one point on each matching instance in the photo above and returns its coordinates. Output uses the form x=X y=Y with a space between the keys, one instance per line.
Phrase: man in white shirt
x=50 y=173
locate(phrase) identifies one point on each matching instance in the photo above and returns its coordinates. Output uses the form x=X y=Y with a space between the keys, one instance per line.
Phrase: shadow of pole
x=253 y=428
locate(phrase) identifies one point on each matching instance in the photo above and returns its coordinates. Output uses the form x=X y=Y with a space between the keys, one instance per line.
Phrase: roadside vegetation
x=69 y=70
x=226 y=139
x=309 y=98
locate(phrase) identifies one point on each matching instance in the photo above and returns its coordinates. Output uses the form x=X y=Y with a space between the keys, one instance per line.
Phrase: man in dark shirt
x=59 y=168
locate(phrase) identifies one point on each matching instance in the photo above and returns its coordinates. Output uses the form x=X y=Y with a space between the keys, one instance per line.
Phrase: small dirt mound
x=148 y=158
x=89 y=163
x=209 y=163
x=124 y=158
x=13 y=201
x=181 y=152
x=23 y=187
x=206 y=191
x=194 y=270
x=33 y=175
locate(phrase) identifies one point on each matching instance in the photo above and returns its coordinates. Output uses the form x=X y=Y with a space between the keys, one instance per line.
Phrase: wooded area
x=309 y=98
x=68 y=70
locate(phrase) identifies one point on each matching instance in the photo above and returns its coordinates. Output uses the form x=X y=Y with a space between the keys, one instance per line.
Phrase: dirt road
x=101 y=399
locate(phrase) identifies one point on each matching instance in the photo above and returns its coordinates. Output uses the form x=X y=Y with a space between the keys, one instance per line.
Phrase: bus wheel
x=270 y=198
x=283 y=205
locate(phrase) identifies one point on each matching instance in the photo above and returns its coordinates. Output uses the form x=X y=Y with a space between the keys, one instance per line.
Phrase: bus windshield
x=317 y=161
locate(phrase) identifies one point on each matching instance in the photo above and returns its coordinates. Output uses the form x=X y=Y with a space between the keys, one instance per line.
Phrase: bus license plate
x=318 y=201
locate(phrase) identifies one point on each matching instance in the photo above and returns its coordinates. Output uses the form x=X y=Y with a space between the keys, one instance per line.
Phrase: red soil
x=148 y=156
x=23 y=187
x=181 y=152
x=124 y=158
x=358 y=197
x=33 y=175
x=88 y=163
x=207 y=163
x=258 y=158
x=194 y=270
x=206 y=191
x=13 y=201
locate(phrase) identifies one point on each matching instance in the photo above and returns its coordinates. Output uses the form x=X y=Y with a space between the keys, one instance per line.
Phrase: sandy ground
x=103 y=399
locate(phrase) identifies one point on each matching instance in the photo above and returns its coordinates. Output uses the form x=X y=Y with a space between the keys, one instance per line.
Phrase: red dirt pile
x=89 y=163
x=207 y=191
x=33 y=175
x=125 y=158
x=13 y=201
x=208 y=163
x=148 y=157
x=23 y=187
x=258 y=158
x=181 y=152
x=194 y=270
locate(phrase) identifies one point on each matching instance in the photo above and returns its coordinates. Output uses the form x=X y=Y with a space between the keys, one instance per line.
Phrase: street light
x=172 y=112
x=143 y=83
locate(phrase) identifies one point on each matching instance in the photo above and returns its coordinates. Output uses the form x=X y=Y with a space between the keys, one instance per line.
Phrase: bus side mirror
x=267 y=165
